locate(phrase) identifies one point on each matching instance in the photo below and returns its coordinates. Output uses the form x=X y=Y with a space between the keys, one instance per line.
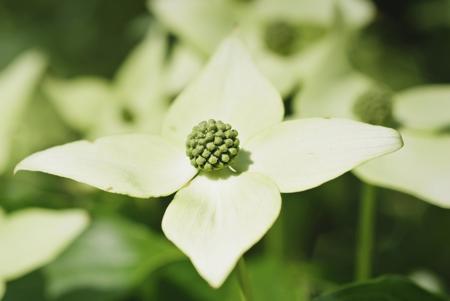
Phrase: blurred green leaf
x=181 y=281
x=389 y=288
x=112 y=256
x=2 y=289
x=26 y=288
x=290 y=282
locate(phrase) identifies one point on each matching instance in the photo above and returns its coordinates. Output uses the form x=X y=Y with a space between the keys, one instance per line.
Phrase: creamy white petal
x=140 y=82
x=136 y=164
x=357 y=13
x=331 y=86
x=82 y=100
x=17 y=83
x=336 y=100
x=420 y=168
x=202 y=23
x=184 y=65
x=31 y=238
x=302 y=154
x=214 y=220
x=231 y=89
x=424 y=107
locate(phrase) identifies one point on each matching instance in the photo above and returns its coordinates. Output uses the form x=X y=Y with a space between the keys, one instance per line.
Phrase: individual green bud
x=200 y=161
x=212 y=145
x=206 y=153
x=229 y=142
x=233 y=151
x=223 y=148
x=213 y=160
x=225 y=158
x=375 y=107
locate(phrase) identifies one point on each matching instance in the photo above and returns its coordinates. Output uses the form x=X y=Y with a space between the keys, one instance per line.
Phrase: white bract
x=138 y=97
x=31 y=238
x=282 y=35
x=422 y=114
x=216 y=216
x=17 y=83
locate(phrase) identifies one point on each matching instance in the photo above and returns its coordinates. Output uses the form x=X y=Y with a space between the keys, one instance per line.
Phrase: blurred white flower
x=17 y=83
x=282 y=35
x=31 y=238
x=138 y=97
x=422 y=166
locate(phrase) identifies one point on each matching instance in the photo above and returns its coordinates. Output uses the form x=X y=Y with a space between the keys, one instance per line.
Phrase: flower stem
x=275 y=240
x=244 y=280
x=365 y=233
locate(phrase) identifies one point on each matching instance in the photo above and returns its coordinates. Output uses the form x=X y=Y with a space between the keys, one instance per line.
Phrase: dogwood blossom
x=283 y=35
x=219 y=213
x=421 y=114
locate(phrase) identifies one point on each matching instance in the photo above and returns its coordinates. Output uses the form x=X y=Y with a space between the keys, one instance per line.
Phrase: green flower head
x=375 y=107
x=212 y=145
x=220 y=210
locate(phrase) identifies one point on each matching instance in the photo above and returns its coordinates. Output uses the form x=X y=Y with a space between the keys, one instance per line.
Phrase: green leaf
x=186 y=284
x=28 y=287
x=389 y=288
x=31 y=238
x=2 y=289
x=113 y=255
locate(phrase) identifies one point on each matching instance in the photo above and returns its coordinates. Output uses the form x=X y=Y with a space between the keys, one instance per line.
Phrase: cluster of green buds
x=212 y=145
x=375 y=107
x=280 y=37
x=284 y=38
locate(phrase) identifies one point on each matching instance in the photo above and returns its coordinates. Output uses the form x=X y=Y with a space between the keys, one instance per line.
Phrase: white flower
x=216 y=216
x=282 y=35
x=422 y=166
x=138 y=97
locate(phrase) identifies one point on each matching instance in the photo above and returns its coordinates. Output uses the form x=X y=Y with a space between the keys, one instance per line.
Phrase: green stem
x=365 y=233
x=244 y=280
x=275 y=240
